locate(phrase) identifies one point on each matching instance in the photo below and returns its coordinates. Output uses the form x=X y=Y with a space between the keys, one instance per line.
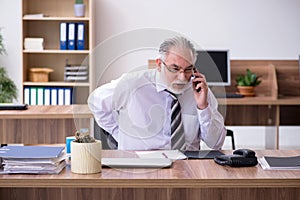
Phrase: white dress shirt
x=136 y=110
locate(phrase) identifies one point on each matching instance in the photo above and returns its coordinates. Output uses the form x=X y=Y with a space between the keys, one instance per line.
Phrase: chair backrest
x=108 y=142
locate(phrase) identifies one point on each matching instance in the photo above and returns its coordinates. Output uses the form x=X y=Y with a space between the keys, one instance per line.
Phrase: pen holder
x=86 y=157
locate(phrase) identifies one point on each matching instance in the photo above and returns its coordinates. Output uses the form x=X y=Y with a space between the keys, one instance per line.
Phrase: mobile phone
x=193 y=77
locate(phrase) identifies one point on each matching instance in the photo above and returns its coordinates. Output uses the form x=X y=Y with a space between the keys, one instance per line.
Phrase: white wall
x=250 y=29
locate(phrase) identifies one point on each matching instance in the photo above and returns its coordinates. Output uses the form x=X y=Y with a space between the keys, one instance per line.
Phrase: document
x=170 y=154
x=32 y=159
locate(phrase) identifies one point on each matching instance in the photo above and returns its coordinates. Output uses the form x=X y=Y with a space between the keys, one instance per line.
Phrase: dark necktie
x=177 y=132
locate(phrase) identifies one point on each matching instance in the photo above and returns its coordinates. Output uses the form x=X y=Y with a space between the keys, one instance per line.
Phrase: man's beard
x=183 y=85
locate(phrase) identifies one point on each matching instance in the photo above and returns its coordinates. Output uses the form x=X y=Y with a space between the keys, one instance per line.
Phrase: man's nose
x=182 y=76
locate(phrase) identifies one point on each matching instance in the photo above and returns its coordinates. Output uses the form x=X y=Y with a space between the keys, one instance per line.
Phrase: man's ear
x=158 y=63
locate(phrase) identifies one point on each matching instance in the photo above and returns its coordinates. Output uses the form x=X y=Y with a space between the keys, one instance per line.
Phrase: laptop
x=10 y=106
x=136 y=162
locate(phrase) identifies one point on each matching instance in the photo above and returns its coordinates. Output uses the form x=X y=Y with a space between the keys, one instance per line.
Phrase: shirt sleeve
x=212 y=129
x=100 y=103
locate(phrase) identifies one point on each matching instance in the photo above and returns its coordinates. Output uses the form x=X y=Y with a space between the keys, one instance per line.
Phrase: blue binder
x=15 y=152
x=80 y=36
x=63 y=35
x=71 y=36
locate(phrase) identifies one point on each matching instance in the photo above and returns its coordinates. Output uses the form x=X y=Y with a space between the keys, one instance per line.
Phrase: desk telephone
x=240 y=158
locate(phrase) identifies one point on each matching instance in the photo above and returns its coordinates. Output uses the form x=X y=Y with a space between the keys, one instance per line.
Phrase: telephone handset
x=193 y=77
x=240 y=158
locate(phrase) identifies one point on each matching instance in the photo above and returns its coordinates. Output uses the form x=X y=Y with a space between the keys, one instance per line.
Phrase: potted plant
x=79 y=8
x=8 y=89
x=247 y=82
x=85 y=153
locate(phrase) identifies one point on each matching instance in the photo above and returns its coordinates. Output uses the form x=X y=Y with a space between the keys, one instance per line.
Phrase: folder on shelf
x=71 y=36
x=27 y=95
x=33 y=96
x=60 y=96
x=40 y=96
x=53 y=96
x=80 y=36
x=47 y=96
x=63 y=35
x=68 y=96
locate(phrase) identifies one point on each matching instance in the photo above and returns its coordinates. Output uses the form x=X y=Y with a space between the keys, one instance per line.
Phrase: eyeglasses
x=176 y=69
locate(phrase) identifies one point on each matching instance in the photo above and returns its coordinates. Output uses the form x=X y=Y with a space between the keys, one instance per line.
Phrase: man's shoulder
x=136 y=77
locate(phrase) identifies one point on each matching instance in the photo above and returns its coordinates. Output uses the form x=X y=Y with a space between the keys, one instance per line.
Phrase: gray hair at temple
x=179 y=43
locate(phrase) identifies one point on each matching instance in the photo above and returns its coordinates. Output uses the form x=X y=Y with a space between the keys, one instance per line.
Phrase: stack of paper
x=34 y=16
x=34 y=44
x=32 y=159
x=76 y=73
x=279 y=163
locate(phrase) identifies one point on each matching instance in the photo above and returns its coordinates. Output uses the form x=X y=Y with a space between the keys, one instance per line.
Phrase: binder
x=60 y=96
x=27 y=95
x=68 y=96
x=71 y=36
x=63 y=35
x=40 y=96
x=80 y=36
x=27 y=152
x=47 y=96
x=53 y=96
x=33 y=96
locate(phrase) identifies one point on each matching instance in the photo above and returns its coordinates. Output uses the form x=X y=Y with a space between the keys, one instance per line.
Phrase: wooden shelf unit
x=48 y=27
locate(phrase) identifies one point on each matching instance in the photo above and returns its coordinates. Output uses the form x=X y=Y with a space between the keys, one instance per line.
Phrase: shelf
x=42 y=19
x=58 y=51
x=57 y=19
x=52 y=83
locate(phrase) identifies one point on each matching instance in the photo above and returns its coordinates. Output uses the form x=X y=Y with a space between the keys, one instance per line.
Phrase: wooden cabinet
x=48 y=27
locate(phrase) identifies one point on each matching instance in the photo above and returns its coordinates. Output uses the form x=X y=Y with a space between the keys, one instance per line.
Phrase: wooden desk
x=187 y=179
x=43 y=124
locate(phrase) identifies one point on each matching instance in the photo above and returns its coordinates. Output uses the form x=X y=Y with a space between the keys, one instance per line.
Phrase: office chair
x=229 y=133
x=107 y=141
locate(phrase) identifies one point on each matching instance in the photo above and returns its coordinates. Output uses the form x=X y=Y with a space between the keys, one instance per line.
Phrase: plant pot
x=79 y=10
x=86 y=157
x=247 y=91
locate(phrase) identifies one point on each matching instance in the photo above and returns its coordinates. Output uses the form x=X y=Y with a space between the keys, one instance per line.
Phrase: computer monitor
x=215 y=65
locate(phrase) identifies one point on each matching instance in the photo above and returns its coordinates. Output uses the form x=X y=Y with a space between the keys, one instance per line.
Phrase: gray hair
x=180 y=43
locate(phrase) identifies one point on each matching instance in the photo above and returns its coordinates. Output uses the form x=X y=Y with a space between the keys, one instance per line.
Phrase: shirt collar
x=160 y=86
